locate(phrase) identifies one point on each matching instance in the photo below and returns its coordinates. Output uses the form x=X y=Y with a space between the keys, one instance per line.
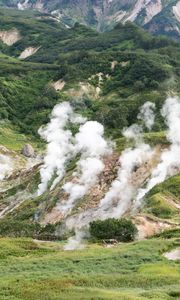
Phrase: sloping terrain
x=88 y=111
x=114 y=74
x=160 y=17
x=144 y=69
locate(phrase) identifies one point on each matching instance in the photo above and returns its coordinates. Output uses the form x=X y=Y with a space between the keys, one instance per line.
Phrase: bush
x=122 y=230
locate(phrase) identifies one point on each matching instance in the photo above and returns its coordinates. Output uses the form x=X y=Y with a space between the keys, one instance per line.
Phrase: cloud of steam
x=118 y=198
x=91 y=144
x=170 y=159
x=122 y=191
x=60 y=146
x=77 y=241
x=5 y=166
x=147 y=114
x=135 y=131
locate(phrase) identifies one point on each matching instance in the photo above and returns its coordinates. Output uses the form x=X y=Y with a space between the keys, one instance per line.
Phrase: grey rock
x=28 y=151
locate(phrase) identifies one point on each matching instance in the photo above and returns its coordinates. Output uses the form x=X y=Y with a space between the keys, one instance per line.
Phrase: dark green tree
x=122 y=230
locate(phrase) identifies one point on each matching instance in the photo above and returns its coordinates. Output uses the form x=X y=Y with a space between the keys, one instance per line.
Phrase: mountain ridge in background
x=157 y=16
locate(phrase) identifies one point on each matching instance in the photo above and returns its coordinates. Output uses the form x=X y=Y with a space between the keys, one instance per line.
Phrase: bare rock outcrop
x=28 y=52
x=28 y=151
x=10 y=37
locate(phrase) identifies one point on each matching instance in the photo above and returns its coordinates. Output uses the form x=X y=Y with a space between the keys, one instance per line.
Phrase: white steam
x=60 y=146
x=5 y=166
x=170 y=159
x=118 y=199
x=77 y=241
x=147 y=114
x=91 y=144
x=120 y=196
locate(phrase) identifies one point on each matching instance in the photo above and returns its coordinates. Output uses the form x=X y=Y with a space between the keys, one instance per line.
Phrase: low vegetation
x=121 y=230
x=136 y=271
x=145 y=67
x=163 y=200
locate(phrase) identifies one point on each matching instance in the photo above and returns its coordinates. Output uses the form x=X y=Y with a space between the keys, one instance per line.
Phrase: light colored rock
x=28 y=52
x=23 y=5
x=119 y=16
x=58 y=85
x=173 y=255
x=39 y=5
x=140 y=4
x=148 y=227
x=113 y=64
x=176 y=11
x=10 y=37
x=152 y=9
x=28 y=151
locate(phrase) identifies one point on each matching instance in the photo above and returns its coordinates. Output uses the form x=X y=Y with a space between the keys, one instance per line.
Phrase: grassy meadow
x=32 y=270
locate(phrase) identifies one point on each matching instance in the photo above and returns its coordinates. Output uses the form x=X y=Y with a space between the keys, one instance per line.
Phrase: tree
x=122 y=230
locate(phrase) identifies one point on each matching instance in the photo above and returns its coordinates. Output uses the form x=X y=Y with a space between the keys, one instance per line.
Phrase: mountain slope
x=160 y=17
x=132 y=64
x=115 y=73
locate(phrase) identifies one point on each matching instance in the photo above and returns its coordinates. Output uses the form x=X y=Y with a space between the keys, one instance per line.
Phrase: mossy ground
x=13 y=139
x=138 y=270
x=163 y=200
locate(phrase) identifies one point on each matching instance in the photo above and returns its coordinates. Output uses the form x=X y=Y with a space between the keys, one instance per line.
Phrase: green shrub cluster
x=27 y=229
x=122 y=230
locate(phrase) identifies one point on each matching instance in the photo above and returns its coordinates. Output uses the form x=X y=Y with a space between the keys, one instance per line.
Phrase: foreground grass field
x=30 y=270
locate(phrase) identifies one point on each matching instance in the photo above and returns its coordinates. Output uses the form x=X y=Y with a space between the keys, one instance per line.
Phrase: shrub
x=122 y=230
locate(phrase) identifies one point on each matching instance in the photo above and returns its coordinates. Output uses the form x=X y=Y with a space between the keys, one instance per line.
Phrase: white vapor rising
x=170 y=159
x=122 y=191
x=92 y=146
x=76 y=241
x=118 y=198
x=60 y=146
x=134 y=132
x=147 y=114
x=5 y=166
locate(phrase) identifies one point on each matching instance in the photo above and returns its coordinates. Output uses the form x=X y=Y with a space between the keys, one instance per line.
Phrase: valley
x=89 y=133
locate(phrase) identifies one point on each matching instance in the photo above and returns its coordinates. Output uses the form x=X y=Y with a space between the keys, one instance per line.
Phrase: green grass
x=152 y=138
x=159 y=206
x=162 y=199
x=171 y=185
x=138 y=270
x=12 y=138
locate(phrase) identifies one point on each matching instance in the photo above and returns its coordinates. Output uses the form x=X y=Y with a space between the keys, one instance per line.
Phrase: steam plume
x=118 y=198
x=147 y=114
x=92 y=146
x=170 y=159
x=77 y=241
x=121 y=193
x=5 y=166
x=60 y=146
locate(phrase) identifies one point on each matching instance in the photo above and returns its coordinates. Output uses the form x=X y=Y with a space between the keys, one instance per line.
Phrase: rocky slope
x=156 y=15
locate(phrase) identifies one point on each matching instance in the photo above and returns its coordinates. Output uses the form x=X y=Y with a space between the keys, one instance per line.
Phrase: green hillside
x=106 y=77
x=145 y=69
